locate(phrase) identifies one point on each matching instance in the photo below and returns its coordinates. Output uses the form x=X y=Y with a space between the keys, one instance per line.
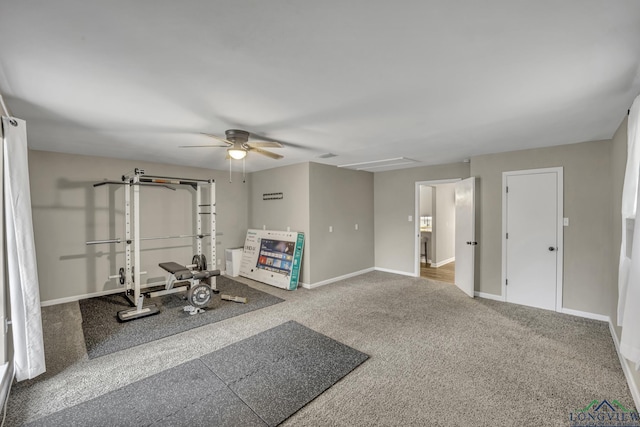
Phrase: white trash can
x=234 y=259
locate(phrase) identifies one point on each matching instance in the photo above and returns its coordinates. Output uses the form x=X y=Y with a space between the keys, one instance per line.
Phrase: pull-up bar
x=172 y=180
x=119 y=240
x=150 y=184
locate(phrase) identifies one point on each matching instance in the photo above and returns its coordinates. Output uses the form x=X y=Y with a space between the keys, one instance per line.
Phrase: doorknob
x=551 y=248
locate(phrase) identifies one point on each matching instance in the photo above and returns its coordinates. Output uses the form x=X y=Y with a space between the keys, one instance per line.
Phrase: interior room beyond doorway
x=437 y=232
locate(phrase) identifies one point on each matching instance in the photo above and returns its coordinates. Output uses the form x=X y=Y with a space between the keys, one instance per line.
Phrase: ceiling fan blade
x=264 y=144
x=217 y=137
x=266 y=153
x=203 y=146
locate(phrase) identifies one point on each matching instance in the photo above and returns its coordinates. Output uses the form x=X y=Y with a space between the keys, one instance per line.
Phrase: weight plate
x=200 y=261
x=122 y=276
x=199 y=295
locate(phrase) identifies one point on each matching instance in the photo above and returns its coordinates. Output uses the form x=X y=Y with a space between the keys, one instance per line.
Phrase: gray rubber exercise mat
x=279 y=371
x=103 y=334
x=259 y=381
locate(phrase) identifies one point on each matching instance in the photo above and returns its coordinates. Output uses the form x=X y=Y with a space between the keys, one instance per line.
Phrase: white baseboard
x=635 y=391
x=626 y=368
x=402 y=273
x=6 y=370
x=585 y=314
x=336 y=279
x=489 y=296
x=79 y=297
x=443 y=262
x=96 y=294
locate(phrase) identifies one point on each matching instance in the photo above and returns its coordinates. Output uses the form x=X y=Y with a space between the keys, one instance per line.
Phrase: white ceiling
x=432 y=81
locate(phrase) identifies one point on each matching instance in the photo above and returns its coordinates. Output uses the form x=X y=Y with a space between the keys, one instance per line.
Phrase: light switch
x=566 y=222
x=356 y=226
x=331 y=229
x=410 y=218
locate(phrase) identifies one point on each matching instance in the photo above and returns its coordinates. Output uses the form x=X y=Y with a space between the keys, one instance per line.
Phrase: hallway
x=446 y=273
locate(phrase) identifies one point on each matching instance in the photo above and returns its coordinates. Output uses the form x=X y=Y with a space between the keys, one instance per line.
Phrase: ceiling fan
x=238 y=145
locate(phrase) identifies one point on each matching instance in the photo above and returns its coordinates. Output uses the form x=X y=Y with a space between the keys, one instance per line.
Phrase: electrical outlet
x=410 y=218
x=331 y=229
x=356 y=226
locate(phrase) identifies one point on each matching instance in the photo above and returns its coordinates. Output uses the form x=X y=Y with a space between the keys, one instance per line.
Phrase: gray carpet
x=438 y=357
x=103 y=333
x=259 y=381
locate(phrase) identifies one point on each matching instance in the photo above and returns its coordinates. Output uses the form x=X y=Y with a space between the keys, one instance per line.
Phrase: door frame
x=559 y=228
x=416 y=218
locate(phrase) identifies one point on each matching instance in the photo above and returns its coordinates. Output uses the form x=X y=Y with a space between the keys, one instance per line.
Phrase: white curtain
x=629 y=271
x=21 y=254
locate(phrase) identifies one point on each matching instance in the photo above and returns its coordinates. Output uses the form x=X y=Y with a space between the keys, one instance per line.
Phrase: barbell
x=119 y=240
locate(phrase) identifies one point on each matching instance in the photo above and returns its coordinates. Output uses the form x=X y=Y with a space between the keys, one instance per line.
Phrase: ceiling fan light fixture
x=237 y=153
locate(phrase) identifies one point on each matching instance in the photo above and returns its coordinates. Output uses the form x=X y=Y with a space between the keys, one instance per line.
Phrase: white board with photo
x=273 y=257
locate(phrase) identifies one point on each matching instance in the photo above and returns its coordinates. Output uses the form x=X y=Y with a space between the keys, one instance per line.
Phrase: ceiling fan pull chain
x=244 y=177
x=229 y=170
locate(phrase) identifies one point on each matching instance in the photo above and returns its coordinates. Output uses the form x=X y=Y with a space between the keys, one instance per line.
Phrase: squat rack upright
x=130 y=275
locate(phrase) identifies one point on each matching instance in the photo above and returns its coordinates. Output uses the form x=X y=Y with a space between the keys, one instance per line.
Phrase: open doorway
x=436 y=230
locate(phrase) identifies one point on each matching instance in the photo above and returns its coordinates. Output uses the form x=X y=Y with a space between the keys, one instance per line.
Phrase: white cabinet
x=234 y=259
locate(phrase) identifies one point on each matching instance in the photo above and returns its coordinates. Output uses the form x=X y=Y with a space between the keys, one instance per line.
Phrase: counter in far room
x=425 y=241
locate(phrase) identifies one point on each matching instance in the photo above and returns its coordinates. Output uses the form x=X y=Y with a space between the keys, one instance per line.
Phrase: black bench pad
x=183 y=273
x=180 y=271
x=172 y=267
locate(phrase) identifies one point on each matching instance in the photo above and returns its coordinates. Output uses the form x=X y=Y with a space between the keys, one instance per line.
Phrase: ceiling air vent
x=376 y=165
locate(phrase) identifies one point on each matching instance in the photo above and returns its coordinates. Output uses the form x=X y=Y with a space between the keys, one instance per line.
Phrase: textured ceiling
x=431 y=81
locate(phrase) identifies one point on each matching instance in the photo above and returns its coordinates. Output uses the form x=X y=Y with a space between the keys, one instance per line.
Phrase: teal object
x=297 y=260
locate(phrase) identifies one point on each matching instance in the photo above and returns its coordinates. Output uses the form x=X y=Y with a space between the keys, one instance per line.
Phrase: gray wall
x=317 y=196
x=587 y=199
x=340 y=198
x=444 y=223
x=394 y=201
x=68 y=211
x=291 y=211
x=426 y=200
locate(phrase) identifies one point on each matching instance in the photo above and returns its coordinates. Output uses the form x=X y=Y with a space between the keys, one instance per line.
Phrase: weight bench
x=199 y=294
x=181 y=272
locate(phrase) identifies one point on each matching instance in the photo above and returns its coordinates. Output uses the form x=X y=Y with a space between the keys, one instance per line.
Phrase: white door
x=532 y=238
x=465 y=235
